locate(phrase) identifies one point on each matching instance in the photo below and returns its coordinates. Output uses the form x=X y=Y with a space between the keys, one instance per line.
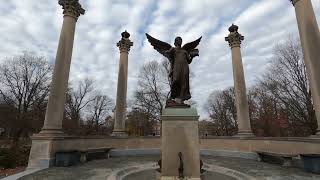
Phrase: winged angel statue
x=180 y=57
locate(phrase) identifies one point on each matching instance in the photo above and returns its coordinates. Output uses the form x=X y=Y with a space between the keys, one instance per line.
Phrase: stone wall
x=43 y=150
x=285 y=145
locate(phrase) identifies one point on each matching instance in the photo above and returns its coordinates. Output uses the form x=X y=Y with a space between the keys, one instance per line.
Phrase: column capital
x=234 y=38
x=72 y=8
x=294 y=1
x=124 y=44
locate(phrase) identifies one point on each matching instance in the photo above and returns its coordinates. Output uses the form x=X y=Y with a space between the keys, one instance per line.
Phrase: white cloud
x=35 y=26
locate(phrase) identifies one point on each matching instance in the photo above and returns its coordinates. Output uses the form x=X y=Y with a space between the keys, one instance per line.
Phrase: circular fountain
x=149 y=171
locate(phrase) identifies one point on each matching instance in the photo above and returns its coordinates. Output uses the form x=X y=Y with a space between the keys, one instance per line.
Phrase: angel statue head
x=179 y=57
x=178 y=41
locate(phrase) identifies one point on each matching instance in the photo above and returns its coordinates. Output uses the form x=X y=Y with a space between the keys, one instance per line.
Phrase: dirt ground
x=8 y=172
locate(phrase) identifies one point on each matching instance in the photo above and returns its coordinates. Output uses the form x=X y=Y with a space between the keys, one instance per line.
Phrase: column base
x=41 y=154
x=44 y=146
x=119 y=134
x=244 y=134
x=316 y=136
x=50 y=133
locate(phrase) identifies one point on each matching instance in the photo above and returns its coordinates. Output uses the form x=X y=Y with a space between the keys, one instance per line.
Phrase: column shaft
x=310 y=41
x=46 y=143
x=59 y=84
x=121 y=93
x=240 y=92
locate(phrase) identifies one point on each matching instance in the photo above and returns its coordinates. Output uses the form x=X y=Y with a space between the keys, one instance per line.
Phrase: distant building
x=157 y=128
x=207 y=128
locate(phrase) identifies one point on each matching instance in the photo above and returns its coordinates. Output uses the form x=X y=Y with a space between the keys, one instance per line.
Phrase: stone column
x=310 y=42
x=243 y=120
x=55 y=108
x=50 y=139
x=121 y=103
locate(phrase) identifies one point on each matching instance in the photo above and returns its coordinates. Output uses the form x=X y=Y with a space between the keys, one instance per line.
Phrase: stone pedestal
x=310 y=42
x=180 y=134
x=42 y=152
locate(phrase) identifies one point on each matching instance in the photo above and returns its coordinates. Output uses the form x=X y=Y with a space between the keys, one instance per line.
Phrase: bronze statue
x=180 y=57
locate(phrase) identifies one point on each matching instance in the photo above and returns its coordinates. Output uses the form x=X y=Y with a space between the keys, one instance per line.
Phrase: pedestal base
x=43 y=149
x=316 y=136
x=180 y=134
x=119 y=134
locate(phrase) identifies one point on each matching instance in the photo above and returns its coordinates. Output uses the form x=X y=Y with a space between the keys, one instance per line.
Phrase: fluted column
x=55 y=108
x=310 y=42
x=234 y=39
x=121 y=103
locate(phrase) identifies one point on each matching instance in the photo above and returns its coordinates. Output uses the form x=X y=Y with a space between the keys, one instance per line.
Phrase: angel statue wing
x=191 y=47
x=160 y=46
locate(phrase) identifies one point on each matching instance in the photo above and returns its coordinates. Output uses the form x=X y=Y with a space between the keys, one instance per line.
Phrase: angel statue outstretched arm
x=180 y=57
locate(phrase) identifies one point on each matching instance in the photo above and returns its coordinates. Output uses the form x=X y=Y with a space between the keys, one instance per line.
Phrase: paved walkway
x=261 y=170
x=101 y=169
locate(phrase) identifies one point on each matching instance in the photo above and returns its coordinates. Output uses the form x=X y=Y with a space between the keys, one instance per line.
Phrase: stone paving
x=151 y=175
x=101 y=169
x=92 y=170
x=261 y=170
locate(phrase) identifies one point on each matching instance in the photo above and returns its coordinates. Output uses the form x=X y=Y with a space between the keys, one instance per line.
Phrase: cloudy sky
x=35 y=26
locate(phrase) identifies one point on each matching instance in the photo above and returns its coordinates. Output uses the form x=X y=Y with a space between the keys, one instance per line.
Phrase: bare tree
x=24 y=84
x=99 y=109
x=77 y=99
x=153 y=88
x=287 y=80
x=222 y=111
x=165 y=71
